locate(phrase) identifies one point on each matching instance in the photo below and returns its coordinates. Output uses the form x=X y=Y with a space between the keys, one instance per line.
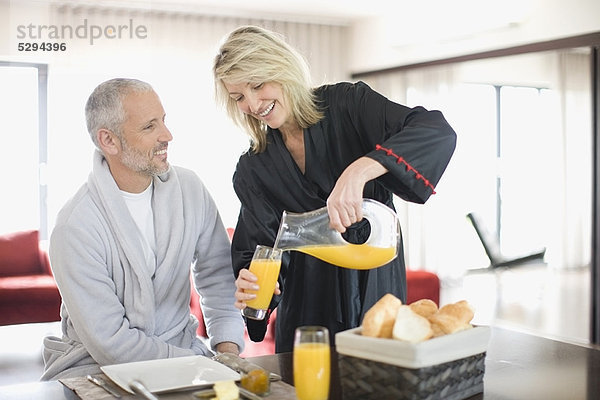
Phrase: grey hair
x=104 y=107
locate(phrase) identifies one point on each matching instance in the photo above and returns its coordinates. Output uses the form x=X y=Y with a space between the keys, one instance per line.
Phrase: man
x=122 y=247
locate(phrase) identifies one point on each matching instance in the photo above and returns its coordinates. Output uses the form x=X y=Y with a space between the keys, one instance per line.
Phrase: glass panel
x=475 y=153
x=530 y=168
x=19 y=203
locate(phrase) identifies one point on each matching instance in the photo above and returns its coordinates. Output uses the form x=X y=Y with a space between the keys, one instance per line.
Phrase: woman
x=332 y=145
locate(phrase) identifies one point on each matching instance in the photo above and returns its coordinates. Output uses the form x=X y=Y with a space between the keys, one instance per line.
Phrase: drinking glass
x=265 y=264
x=311 y=363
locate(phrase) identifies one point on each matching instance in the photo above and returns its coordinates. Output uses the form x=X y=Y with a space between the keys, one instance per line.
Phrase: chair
x=422 y=285
x=252 y=349
x=28 y=291
x=491 y=246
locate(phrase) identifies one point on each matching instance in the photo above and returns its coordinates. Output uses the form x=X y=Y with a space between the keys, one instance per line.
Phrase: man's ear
x=108 y=141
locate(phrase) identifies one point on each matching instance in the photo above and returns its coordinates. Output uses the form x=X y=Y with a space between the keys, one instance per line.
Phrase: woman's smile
x=267 y=111
x=264 y=102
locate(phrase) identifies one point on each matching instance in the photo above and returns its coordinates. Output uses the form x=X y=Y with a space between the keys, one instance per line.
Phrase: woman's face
x=264 y=102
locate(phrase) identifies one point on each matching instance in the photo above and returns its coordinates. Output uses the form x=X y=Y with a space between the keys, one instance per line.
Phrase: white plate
x=170 y=373
x=408 y=355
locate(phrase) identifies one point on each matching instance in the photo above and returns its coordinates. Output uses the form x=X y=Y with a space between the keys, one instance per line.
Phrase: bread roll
x=452 y=318
x=379 y=319
x=461 y=310
x=424 y=307
x=410 y=326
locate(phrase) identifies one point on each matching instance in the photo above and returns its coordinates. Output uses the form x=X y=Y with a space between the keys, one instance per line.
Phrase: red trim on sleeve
x=400 y=160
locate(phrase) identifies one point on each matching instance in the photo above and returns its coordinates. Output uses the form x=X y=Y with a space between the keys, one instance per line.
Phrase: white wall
x=424 y=31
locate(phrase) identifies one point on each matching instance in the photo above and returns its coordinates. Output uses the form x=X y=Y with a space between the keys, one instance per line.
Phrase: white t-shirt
x=140 y=208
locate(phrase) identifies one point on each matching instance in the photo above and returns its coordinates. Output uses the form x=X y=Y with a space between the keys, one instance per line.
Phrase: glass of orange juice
x=312 y=363
x=265 y=264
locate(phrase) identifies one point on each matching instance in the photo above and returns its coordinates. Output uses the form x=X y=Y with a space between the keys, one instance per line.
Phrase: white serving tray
x=170 y=374
x=408 y=355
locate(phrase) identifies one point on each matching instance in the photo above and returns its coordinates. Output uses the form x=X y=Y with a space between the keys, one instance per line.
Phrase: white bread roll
x=410 y=326
x=379 y=319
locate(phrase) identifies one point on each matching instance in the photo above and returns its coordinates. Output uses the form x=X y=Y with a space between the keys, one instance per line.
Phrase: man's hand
x=228 y=347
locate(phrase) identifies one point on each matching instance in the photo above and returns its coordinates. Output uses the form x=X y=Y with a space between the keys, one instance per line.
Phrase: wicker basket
x=454 y=380
x=450 y=367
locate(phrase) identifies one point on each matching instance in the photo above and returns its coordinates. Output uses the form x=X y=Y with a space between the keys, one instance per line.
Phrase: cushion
x=29 y=313
x=422 y=285
x=19 y=253
x=31 y=289
x=29 y=299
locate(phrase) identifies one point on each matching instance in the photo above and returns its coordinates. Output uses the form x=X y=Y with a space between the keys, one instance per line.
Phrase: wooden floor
x=533 y=299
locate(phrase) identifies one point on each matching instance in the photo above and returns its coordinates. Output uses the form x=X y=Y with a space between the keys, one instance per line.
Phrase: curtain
x=575 y=224
x=545 y=164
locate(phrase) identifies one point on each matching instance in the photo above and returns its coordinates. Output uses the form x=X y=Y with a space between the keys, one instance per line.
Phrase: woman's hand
x=344 y=203
x=247 y=281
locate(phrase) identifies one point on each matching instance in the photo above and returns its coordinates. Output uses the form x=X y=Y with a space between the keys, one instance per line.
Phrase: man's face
x=145 y=135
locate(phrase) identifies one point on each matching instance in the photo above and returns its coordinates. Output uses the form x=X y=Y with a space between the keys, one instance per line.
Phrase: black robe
x=415 y=145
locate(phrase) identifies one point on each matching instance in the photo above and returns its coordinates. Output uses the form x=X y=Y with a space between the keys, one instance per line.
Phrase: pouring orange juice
x=310 y=233
x=353 y=256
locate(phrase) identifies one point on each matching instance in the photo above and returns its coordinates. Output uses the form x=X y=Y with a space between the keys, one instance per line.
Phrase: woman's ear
x=109 y=143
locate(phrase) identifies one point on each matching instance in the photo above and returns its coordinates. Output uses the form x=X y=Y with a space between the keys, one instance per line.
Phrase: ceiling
x=329 y=11
x=343 y=9
x=406 y=19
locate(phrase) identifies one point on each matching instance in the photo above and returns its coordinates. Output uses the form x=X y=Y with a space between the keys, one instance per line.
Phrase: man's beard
x=139 y=162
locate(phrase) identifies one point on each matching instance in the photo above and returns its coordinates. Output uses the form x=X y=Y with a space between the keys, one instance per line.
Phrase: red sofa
x=422 y=285
x=28 y=292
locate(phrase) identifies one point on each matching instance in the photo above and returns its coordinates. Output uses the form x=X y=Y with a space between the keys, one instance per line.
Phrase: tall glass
x=312 y=363
x=265 y=264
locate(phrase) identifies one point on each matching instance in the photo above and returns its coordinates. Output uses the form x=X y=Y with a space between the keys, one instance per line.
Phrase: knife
x=101 y=383
x=139 y=388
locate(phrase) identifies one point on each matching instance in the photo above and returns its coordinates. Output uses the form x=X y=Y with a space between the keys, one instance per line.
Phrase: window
x=23 y=99
x=510 y=144
x=529 y=147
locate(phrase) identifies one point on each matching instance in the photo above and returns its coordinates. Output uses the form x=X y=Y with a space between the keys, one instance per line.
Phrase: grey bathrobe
x=112 y=310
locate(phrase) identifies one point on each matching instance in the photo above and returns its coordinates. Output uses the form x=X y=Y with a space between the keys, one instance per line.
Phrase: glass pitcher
x=310 y=233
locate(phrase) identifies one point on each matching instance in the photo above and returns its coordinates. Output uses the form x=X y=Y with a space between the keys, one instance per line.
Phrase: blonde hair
x=254 y=55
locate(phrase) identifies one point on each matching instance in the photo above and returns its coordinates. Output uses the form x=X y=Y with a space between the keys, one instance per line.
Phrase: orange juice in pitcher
x=310 y=233
x=353 y=256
